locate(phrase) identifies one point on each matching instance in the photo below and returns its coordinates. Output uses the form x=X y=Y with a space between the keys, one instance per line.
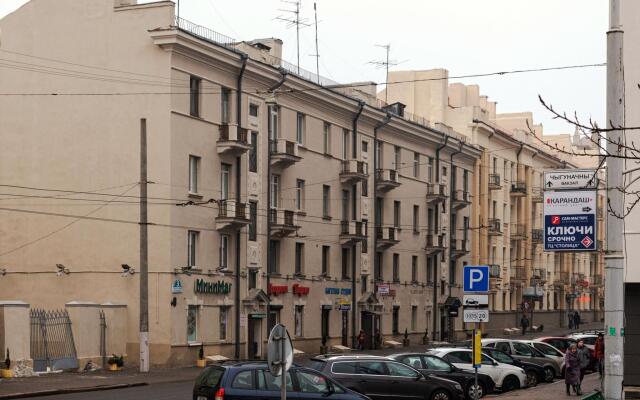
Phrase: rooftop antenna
x=294 y=20
x=317 y=55
x=178 y=11
x=385 y=64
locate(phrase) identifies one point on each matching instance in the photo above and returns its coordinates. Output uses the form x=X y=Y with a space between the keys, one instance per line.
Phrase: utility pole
x=614 y=256
x=144 y=253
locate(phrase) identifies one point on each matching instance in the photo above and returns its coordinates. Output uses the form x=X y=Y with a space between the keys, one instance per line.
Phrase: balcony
x=459 y=247
x=386 y=179
x=495 y=271
x=518 y=231
x=386 y=237
x=233 y=140
x=518 y=189
x=562 y=279
x=283 y=222
x=283 y=152
x=436 y=192
x=435 y=243
x=354 y=171
x=518 y=273
x=537 y=235
x=597 y=281
x=537 y=194
x=231 y=215
x=494 y=227
x=539 y=276
x=460 y=200
x=495 y=182
x=352 y=231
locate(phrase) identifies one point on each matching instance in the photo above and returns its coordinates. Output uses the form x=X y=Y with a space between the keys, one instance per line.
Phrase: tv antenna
x=386 y=63
x=317 y=55
x=293 y=19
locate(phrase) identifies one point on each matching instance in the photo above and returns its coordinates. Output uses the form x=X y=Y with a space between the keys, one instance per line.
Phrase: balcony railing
x=537 y=235
x=353 y=170
x=231 y=215
x=494 y=181
x=459 y=247
x=284 y=151
x=495 y=271
x=518 y=231
x=518 y=273
x=283 y=222
x=562 y=278
x=461 y=198
x=386 y=179
x=435 y=242
x=539 y=274
x=494 y=226
x=537 y=194
x=353 y=230
x=241 y=134
x=232 y=139
x=436 y=192
x=518 y=188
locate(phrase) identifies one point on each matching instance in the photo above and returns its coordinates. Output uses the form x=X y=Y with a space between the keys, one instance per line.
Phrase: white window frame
x=197 y=317
x=194 y=172
x=300 y=194
x=192 y=248
x=397 y=157
x=225 y=105
x=275 y=190
x=326 y=138
x=416 y=165
x=429 y=169
x=224 y=251
x=273 y=123
x=225 y=180
x=326 y=201
x=300 y=128
x=223 y=322
x=345 y=144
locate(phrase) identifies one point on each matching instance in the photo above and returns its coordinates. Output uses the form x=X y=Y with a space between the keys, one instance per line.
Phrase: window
x=547 y=350
x=365 y=188
x=345 y=263
x=194 y=166
x=275 y=190
x=522 y=349
x=414 y=361
x=396 y=320
x=462 y=357
x=224 y=319
x=500 y=357
x=414 y=268
x=326 y=254
x=210 y=377
x=253 y=278
x=344 y=368
x=465 y=230
x=192 y=323
x=345 y=144
x=253 y=110
x=266 y=381
x=378 y=155
x=416 y=219
x=429 y=169
x=273 y=123
x=243 y=380
x=416 y=165
x=371 y=368
x=397 y=369
x=253 y=152
x=465 y=180
x=225 y=105
x=326 y=197
x=503 y=346
x=396 y=158
x=300 y=194
x=194 y=97
x=377 y=267
x=225 y=178
x=224 y=251
x=354 y=201
x=345 y=205
x=299 y=313
x=436 y=364
x=396 y=214
x=396 y=267
x=253 y=221
x=312 y=383
x=365 y=146
x=326 y=138
x=443 y=178
x=299 y=261
x=414 y=318
x=275 y=256
x=300 y=125
x=192 y=248
x=430 y=270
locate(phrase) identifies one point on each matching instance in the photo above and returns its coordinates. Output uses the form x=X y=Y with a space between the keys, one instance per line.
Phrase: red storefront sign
x=300 y=290
x=278 y=289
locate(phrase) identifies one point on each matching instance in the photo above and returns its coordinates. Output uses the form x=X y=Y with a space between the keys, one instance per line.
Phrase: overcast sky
x=464 y=36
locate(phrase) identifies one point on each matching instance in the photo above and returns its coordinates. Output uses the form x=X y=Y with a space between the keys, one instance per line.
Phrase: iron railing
x=52 y=344
x=537 y=235
x=436 y=189
x=519 y=187
x=241 y=138
x=287 y=217
x=494 y=181
x=461 y=196
x=494 y=225
x=361 y=167
x=232 y=209
x=391 y=233
x=518 y=231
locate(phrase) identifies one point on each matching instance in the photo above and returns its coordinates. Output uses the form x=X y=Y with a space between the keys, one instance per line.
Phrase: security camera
x=127 y=270
x=62 y=270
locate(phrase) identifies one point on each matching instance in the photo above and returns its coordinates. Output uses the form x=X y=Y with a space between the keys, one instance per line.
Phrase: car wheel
x=472 y=389
x=549 y=374
x=510 y=383
x=532 y=379
x=441 y=395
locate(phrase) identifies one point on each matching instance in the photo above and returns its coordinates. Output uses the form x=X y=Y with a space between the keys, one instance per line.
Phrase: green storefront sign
x=219 y=287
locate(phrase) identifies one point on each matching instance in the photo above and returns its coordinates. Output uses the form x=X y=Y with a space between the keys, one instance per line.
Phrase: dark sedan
x=535 y=373
x=382 y=378
x=433 y=365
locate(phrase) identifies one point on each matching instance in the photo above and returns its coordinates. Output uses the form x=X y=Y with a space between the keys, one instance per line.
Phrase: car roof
x=554 y=337
x=449 y=349
x=334 y=357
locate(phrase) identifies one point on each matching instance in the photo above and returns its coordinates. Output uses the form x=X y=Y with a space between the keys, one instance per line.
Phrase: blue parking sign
x=476 y=278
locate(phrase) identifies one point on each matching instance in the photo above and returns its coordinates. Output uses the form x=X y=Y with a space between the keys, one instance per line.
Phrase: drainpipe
x=270 y=91
x=452 y=229
x=380 y=125
x=244 y=58
x=435 y=272
x=353 y=267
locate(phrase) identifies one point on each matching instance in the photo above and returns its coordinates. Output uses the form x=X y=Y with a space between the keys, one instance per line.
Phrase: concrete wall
x=15 y=330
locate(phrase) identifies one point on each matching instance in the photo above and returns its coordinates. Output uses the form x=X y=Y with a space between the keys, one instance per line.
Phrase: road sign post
x=280 y=355
x=476 y=309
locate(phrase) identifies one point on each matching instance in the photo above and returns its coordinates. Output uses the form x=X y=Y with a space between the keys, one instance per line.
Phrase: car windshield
x=500 y=356
x=318 y=365
x=210 y=377
x=547 y=349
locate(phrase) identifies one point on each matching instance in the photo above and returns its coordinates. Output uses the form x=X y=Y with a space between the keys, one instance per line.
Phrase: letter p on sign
x=476 y=278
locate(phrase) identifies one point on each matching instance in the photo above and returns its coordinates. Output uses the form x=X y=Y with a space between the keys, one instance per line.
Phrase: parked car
x=535 y=373
x=560 y=343
x=588 y=339
x=525 y=352
x=549 y=351
x=382 y=378
x=433 y=365
x=252 y=380
x=507 y=377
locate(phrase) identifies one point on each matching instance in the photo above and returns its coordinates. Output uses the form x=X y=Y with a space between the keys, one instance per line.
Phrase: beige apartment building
x=507 y=212
x=272 y=198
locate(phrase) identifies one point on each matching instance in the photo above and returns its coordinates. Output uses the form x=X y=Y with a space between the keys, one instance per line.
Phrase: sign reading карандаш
x=570 y=221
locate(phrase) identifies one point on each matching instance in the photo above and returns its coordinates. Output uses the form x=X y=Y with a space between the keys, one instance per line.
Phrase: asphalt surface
x=158 y=391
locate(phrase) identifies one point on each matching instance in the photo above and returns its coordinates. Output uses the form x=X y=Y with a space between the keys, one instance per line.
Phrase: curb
x=85 y=389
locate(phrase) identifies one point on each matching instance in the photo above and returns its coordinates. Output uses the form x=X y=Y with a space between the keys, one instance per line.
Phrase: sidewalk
x=556 y=390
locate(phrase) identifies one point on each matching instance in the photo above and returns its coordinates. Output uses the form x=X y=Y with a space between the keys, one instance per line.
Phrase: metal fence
x=52 y=344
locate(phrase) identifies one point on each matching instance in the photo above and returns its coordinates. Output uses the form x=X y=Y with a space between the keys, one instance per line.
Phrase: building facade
x=271 y=197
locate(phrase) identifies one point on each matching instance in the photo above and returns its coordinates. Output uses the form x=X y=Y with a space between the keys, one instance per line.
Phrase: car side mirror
x=494 y=363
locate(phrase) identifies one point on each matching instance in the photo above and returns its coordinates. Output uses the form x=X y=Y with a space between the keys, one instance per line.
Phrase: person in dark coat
x=570 y=316
x=572 y=370
x=584 y=356
x=576 y=320
x=599 y=350
x=524 y=323
x=362 y=339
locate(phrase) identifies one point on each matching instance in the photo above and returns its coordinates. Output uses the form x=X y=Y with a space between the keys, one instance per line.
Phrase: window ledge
x=326 y=218
x=194 y=344
x=301 y=213
x=299 y=276
x=193 y=195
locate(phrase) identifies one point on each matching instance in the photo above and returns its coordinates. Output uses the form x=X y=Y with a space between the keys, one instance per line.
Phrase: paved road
x=550 y=391
x=158 y=391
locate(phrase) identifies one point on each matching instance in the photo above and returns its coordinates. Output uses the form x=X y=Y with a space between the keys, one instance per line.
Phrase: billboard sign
x=570 y=179
x=570 y=221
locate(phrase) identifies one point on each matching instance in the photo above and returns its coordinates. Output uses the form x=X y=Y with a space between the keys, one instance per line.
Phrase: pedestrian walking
x=599 y=353
x=572 y=370
x=584 y=356
x=362 y=338
x=570 y=316
x=378 y=339
x=524 y=323
x=576 y=320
